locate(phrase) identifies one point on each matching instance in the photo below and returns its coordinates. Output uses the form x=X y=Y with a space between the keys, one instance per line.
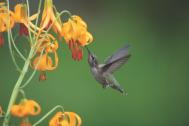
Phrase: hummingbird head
x=92 y=60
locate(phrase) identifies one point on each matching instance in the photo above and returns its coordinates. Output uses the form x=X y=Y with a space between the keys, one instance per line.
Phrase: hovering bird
x=103 y=73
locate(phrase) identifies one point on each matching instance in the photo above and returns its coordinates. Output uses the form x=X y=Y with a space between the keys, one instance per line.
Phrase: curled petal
x=49 y=18
x=85 y=39
x=75 y=120
x=79 y=20
x=5 y=23
x=26 y=108
x=90 y=37
x=35 y=108
x=46 y=21
x=41 y=63
x=42 y=43
x=20 y=14
x=65 y=119
x=52 y=67
x=65 y=123
x=48 y=43
x=56 y=119
x=76 y=29
x=16 y=110
x=52 y=47
x=44 y=62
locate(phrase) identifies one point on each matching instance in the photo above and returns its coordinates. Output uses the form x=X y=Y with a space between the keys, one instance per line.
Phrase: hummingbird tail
x=120 y=89
x=124 y=93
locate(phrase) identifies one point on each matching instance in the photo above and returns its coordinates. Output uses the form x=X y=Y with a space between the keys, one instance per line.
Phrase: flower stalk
x=48 y=114
x=17 y=87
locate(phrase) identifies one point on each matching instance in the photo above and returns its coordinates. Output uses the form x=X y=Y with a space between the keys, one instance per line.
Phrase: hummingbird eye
x=93 y=58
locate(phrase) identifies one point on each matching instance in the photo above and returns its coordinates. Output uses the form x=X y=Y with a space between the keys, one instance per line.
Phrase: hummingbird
x=103 y=73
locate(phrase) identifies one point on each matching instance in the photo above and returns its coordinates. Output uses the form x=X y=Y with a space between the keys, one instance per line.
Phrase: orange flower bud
x=49 y=18
x=26 y=108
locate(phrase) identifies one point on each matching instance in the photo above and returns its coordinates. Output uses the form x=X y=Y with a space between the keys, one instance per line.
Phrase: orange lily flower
x=3 y=21
x=21 y=16
x=49 y=18
x=26 y=108
x=45 y=62
x=4 y=24
x=48 y=43
x=65 y=119
x=76 y=35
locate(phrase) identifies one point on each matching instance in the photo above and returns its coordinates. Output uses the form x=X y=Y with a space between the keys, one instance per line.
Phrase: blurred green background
x=156 y=76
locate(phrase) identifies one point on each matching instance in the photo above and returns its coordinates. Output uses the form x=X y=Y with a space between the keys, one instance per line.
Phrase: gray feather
x=114 y=83
x=123 y=52
x=116 y=60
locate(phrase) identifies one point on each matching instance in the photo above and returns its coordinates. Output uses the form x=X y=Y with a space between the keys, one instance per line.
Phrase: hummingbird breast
x=98 y=76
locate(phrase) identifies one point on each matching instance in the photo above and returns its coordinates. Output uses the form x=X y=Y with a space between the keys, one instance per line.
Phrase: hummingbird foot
x=111 y=85
x=106 y=86
x=125 y=94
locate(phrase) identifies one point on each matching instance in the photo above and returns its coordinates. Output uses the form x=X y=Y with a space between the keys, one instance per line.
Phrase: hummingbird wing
x=118 y=54
x=117 y=60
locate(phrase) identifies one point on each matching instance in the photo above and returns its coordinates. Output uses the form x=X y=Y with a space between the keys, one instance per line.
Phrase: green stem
x=32 y=75
x=22 y=93
x=57 y=17
x=12 y=55
x=17 y=50
x=65 y=11
x=38 y=11
x=46 y=115
x=28 y=7
x=9 y=40
x=17 y=87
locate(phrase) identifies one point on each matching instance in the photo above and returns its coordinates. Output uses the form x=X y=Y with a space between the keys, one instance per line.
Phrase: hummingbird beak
x=89 y=52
